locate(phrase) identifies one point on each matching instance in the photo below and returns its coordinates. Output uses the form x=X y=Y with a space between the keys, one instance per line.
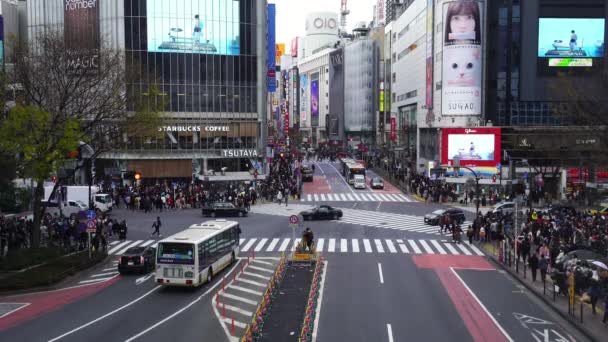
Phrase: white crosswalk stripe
x=367 y=218
x=322 y=197
x=248 y=245
x=356 y=197
x=119 y=247
x=393 y=246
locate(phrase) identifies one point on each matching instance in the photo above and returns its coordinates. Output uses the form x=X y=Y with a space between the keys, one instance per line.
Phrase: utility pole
x=457 y=170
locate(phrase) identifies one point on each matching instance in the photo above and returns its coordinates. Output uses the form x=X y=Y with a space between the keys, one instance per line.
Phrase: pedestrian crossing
x=333 y=245
x=359 y=246
x=119 y=247
x=367 y=218
x=355 y=197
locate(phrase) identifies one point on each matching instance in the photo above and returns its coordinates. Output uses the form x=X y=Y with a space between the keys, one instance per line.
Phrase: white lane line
x=239 y=310
x=248 y=244
x=438 y=247
x=367 y=246
x=252 y=282
x=356 y=197
x=482 y=306
x=391 y=246
x=342 y=178
x=332 y=246
x=343 y=245
x=129 y=246
x=355 y=243
x=262 y=262
x=475 y=249
x=104 y=274
x=272 y=245
x=106 y=315
x=403 y=248
x=426 y=247
x=379 y=247
x=113 y=243
x=238 y=324
x=97 y=280
x=414 y=246
x=295 y=244
x=316 y=197
x=380 y=272
x=284 y=245
x=350 y=197
x=390 y=332
x=451 y=248
x=260 y=269
x=239 y=298
x=320 y=244
x=109 y=269
x=309 y=197
x=463 y=249
x=149 y=242
x=244 y=289
x=118 y=247
x=256 y=275
x=241 y=241
x=318 y=309
x=260 y=245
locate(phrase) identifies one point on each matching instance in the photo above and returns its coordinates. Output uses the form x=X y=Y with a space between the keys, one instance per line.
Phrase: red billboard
x=393 y=136
x=475 y=146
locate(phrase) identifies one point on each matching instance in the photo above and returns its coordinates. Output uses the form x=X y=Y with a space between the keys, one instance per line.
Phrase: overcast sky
x=291 y=15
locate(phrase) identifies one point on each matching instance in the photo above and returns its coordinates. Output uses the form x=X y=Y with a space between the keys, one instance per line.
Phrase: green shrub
x=18 y=259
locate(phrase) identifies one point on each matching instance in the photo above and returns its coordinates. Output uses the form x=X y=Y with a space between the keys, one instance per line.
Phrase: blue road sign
x=498 y=166
x=87 y=215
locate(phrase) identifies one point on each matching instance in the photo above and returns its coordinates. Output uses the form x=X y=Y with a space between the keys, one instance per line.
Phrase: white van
x=359 y=182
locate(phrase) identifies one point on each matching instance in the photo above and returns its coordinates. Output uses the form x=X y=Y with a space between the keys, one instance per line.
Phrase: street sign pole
x=89 y=238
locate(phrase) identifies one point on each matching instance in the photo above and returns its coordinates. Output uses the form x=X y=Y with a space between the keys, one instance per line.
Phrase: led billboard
x=473 y=146
x=571 y=38
x=193 y=26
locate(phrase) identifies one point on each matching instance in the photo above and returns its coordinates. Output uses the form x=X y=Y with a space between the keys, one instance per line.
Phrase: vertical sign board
x=294 y=47
x=303 y=97
x=314 y=100
x=271 y=55
x=393 y=136
x=336 y=89
x=81 y=34
x=1 y=41
x=280 y=51
x=429 y=54
x=462 y=57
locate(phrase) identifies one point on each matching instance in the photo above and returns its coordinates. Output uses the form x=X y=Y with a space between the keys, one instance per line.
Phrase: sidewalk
x=589 y=324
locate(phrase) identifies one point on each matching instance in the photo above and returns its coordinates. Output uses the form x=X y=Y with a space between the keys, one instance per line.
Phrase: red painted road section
x=480 y=325
x=44 y=302
x=388 y=188
x=319 y=185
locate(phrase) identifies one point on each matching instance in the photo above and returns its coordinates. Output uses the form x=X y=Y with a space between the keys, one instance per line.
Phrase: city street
x=387 y=274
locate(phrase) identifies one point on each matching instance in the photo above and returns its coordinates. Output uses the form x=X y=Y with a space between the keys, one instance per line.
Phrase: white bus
x=193 y=256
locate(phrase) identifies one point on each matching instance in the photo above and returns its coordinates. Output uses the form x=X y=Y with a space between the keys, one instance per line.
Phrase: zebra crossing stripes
x=355 y=197
x=273 y=243
x=320 y=245
x=367 y=245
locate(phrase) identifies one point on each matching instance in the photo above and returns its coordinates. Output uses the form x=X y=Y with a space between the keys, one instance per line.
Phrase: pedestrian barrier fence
x=313 y=296
x=254 y=330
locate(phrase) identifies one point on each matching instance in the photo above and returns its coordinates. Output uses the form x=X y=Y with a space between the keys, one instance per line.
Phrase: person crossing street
x=156 y=225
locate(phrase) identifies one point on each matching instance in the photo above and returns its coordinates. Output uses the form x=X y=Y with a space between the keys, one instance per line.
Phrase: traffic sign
x=87 y=215
x=294 y=219
x=499 y=166
x=91 y=225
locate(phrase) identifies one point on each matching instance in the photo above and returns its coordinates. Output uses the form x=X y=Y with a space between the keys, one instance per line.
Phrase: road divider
x=310 y=317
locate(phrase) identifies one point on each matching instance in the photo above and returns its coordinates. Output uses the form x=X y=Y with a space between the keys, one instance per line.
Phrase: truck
x=71 y=194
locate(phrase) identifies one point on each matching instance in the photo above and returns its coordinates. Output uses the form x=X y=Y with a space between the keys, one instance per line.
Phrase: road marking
x=129 y=246
x=318 y=309
x=322 y=197
x=391 y=246
x=260 y=269
x=390 y=332
x=296 y=242
x=241 y=241
x=463 y=249
x=320 y=245
x=350 y=197
x=244 y=289
x=475 y=249
x=426 y=247
x=414 y=246
x=438 y=246
x=248 y=245
x=256 y=275
x=342 y=178
x=229 y=320
x=332 y=246
x=380 y=272
x=149 y=242
x=109 y=269
x=309 y=197
x=143 y=279
x=379 y=247
x=357 y=197
x=262 y=262
x=284 y=245
x=104 y=274
x=252 y=282
x=260 y=245
x=367 y=246
x=316 y=197
x=239 y=298
x=104 y=316
x=343 y=197
x=113 y=243
x=273 y=244
x=117 y=247
x=403 y=247
x=343 y=245
x=239 y=310
x=385 y=198
x=355 y=243
x=451 y=248
x=97 y=280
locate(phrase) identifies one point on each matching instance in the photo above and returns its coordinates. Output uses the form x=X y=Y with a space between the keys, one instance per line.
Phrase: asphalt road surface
x=389 y=278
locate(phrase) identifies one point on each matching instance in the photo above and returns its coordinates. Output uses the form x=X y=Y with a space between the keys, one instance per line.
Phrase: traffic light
x=137 y=176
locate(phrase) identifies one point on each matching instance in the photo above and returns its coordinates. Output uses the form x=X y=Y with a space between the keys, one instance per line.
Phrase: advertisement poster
x=271 y=53
x=303 y=97
x=473 y=146
x=279 y=52
x=462 y=57
x=429 y=54
x=569 y=38
x=393 y=135
x=314 y=100
x=81 y=33
x=294 y=47
x=193 y=26
x=1 y=42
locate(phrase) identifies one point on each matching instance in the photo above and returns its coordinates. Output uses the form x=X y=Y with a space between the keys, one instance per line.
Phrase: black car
x=323 y=212
x=307 y=174
x=456 y=214
x=137 y=259
x=223 y=209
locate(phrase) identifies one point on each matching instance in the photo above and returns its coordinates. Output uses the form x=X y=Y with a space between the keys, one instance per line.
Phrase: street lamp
x=456 y=171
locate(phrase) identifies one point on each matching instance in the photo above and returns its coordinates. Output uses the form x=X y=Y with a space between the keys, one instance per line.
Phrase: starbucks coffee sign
x=194 y=128
x=240 y=153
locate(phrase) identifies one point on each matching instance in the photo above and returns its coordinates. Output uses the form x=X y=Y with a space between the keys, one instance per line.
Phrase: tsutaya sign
x=240 y=153
x=194 y=128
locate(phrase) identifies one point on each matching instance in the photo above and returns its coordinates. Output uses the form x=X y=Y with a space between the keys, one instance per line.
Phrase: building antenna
x=343 y=13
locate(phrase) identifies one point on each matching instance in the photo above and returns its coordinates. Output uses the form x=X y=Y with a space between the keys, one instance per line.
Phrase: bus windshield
x=175 y=253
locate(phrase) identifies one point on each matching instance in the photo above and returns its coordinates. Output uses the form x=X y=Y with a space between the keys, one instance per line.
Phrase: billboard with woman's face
x=462 y=57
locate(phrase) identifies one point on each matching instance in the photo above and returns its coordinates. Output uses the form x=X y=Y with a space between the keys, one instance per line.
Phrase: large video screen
x=478 y=146
x=193 y=26
x=566 y=38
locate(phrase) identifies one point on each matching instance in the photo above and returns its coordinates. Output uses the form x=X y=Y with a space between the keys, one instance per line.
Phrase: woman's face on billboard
x=461 y=23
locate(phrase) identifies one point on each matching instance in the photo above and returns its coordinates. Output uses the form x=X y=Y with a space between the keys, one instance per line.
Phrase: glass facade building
x=208 y=59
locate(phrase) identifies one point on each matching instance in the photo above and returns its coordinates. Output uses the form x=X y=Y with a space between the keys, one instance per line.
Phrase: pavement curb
x=567 y=317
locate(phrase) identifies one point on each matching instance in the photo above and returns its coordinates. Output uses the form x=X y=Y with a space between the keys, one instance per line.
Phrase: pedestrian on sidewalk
x=594 y=295
x=470 y=234
x=156 y=225
x=533 y=263
x=543 y=264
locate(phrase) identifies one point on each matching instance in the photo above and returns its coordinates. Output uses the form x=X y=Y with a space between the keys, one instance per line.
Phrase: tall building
x=209 y=58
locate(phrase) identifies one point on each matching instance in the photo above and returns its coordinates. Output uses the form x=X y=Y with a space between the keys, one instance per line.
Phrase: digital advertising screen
x=314 y=99
x=194 y=26
x=473 y=146
x=564 y=40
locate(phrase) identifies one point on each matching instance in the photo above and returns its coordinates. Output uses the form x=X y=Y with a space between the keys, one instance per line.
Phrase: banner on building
x=429 y=54
x=462 y=57
x=271 y=54
x=393 y=135
x=294 y=47
x=1 y=41
x=82 y=36
x=280 y=51
x=303 y=97
x=314 y=100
